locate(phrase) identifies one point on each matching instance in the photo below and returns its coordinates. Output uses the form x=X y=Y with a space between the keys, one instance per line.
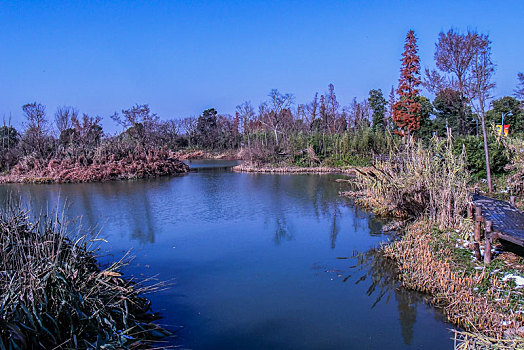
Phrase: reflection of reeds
x=54 y=294
x=382 y=273
x=426 y=264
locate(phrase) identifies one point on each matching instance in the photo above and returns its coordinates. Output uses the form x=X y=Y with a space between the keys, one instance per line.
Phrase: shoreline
x=484 y=301
x=271 y=169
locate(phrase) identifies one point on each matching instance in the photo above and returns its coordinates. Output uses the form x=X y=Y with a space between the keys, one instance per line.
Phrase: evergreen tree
x=406 y=111
x=377 y=103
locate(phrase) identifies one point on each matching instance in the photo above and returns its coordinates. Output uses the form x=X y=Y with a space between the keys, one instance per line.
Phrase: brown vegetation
x=133 y=166
x=474 y=299
x=251 y=168
x=417 y=181
x=429 y=186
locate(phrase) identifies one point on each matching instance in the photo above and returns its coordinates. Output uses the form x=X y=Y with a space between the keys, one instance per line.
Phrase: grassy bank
x=54 y=294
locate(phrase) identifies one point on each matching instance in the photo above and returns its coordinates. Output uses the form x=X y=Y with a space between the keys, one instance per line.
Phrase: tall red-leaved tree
x=406 y=111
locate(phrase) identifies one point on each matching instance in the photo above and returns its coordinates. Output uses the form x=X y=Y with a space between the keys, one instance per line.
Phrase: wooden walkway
x=500 y=219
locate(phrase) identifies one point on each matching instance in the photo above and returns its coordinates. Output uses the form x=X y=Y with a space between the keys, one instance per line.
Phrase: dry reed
x=251 y=168
x=138 y=165
x=426 y=264
x=53 y=294
x=419 y=181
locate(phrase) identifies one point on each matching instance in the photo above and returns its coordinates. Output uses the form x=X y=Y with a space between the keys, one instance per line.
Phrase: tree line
x=320 y=131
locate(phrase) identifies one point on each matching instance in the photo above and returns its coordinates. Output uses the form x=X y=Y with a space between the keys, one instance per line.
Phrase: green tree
x=207 y=129
x=377 y=103
x=450 y=112
x=427 y=127
x=513 y=113
x=9 y=137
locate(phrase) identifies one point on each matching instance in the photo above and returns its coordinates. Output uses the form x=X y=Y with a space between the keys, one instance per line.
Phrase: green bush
x=474 y=146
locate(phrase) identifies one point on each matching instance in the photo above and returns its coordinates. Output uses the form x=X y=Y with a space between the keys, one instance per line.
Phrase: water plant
x=54 y=294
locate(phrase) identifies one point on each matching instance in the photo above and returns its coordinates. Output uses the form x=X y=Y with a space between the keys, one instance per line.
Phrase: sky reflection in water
x=258 y=261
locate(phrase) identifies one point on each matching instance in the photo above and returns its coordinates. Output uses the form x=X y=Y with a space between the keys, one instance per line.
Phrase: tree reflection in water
x=382 y=273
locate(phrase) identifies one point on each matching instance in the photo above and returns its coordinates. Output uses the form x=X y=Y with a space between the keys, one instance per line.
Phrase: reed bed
x=417 y=181
x=474 y=341
x=54 y=295
x=474 y=299
x=251 y=168
x=153 y=163
x=428 y=185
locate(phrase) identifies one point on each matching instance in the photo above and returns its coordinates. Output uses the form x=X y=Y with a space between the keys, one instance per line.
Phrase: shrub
x=476 y=160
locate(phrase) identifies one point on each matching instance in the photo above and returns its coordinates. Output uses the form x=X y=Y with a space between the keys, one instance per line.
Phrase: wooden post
x=470 y=210
x=512 y=200
x=487 y=242
x=478 y=221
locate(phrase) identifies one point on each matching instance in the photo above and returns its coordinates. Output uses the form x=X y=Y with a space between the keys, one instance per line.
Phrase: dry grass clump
x=473 y=299
x=475 y=341
x=420 y=181
x=53 y=294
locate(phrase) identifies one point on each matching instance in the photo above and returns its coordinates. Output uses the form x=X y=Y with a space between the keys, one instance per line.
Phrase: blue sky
x=182 y=57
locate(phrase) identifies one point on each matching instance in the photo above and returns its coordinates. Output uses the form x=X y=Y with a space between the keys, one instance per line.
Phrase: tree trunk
x=249 y=147
x=486 y=151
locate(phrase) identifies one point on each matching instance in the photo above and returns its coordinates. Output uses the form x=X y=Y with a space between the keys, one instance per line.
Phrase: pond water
x=257 y=261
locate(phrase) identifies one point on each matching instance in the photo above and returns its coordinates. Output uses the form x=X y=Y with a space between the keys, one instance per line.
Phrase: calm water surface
x=258 y=261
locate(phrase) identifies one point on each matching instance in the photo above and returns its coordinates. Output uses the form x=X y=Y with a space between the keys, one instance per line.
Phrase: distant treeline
x=278 y=130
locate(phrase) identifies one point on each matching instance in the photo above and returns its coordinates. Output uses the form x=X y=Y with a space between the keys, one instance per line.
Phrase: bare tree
x=454 y=54
x=359 y=113
x=64 y=116
x=188 y=126
x=246 y=114
x=482 y=84
x=273 y=112
x=34 y=114
x=312 y=110
x=142 y=125
x=391 y=102
x=88 y=133
x=36 y=139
